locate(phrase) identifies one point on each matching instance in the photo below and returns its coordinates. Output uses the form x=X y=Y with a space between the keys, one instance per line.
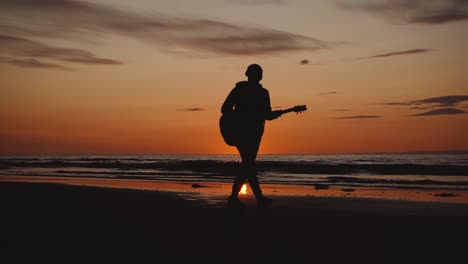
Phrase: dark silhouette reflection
x=242 y=125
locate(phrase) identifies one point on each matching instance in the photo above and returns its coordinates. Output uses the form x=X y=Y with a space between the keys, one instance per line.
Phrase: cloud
x=396 y=53
x=276 y=107
x=411 y=12
x=440 y=101
x=258 y=2
x=327 y=93
x=26 y=51
x=308 y=62
x=73 y=19
x=442 y=111
x=341 y=110
x=449 y=100
x=405 y=52
x=418 y=108
x=446 y=102
x=194 y=109
x=32 y=63
x=358 y=117
x=397 y=103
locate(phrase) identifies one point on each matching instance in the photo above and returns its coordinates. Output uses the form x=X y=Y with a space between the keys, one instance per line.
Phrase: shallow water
x=428 y=171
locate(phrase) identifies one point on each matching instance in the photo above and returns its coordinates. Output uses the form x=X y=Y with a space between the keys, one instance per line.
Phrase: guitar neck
x=285 y=111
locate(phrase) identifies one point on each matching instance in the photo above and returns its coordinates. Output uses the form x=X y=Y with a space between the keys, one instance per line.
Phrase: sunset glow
x=149 y=77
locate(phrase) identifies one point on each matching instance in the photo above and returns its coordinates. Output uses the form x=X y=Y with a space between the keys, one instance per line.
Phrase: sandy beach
x=82 y=223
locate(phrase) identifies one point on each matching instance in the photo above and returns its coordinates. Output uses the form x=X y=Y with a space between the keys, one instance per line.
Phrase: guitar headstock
x=299 y=108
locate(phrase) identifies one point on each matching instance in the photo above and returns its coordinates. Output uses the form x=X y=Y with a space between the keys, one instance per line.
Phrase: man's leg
x=262 y=201
x=251 y=169
x=242 y=172
x=241 y=176
x=237 y=185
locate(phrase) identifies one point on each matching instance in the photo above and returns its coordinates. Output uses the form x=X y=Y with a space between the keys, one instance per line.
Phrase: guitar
x=228 y=124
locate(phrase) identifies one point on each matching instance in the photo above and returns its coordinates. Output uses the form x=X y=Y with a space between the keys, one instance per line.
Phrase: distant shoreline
x=422 y=152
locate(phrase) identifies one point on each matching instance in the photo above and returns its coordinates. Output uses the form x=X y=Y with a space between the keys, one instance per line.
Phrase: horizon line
x=454 y=151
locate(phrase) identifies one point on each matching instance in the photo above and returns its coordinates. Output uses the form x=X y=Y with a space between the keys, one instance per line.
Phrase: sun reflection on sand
x=243 y=189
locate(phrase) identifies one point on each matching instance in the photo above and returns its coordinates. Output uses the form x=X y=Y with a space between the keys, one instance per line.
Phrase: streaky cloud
x=358 y=117
x=442 y=111
x=22 y=48
x=327 y=93
x=405 y=52
x=258 y=2
x=396 y=53
x=33 y=63
x=439 y=19
x=418 y=108
x=427 y=12
x=74 y=19
x=397 y=103
x=440 y=101
x=449 y=100
x=341 y=110
x=194 y=109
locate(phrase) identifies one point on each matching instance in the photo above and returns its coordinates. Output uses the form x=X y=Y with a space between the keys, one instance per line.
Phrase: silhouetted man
x=250 y=102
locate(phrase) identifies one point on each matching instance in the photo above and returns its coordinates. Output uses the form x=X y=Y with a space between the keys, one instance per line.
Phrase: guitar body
x=228 y=125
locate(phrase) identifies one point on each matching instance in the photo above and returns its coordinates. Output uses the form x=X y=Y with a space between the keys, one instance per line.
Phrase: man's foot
x=264 y=203
x=234 y=202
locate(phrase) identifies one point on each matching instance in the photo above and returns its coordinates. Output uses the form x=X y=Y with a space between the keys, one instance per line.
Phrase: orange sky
x=107 y=77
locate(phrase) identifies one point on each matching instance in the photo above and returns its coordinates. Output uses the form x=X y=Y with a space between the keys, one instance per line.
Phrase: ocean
x=424 y=171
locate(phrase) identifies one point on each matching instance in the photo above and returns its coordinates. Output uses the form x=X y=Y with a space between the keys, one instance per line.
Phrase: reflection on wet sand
x=216 y=192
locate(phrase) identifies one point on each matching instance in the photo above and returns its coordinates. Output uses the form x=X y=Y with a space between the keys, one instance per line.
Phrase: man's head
x=254 y=73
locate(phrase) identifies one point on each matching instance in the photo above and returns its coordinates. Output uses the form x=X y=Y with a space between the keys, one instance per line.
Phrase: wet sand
x=55 y=222
x=216 y=192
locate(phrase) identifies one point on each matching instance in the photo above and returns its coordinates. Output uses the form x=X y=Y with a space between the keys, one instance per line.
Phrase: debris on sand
x=196 y=185
x=321 y=186
x=446 y=194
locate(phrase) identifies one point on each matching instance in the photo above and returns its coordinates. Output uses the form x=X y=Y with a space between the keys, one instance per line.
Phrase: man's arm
x=271 y=115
